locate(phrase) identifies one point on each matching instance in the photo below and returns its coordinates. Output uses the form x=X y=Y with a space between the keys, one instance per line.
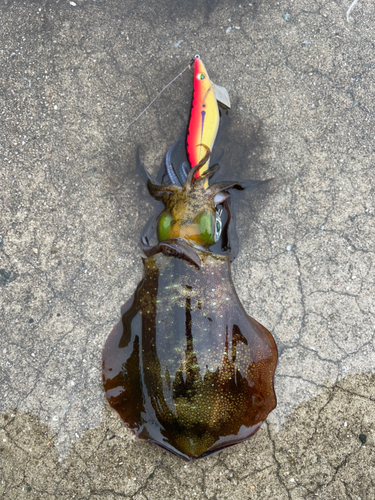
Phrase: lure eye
x=200 y=76
x=164 y=226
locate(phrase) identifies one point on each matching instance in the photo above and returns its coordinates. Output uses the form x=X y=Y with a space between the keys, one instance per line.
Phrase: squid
x=186 y=367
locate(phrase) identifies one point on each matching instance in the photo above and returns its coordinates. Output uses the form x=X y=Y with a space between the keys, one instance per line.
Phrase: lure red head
x=204 y=117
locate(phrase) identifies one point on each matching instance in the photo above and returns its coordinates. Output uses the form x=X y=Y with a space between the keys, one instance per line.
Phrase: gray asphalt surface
x=301 y=79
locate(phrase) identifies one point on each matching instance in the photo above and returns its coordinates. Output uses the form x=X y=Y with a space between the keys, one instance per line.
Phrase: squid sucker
x=186 y=368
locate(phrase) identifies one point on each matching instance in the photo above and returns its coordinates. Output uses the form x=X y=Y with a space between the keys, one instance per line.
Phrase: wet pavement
x=301 y=80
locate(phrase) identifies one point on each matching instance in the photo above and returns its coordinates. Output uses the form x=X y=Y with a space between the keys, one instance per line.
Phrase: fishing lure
x=203 y=124
x=204 y=117
x=186 y=368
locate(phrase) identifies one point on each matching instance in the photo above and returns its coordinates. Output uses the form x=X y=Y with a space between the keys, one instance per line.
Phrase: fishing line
x=146 y=108
x=350 y=9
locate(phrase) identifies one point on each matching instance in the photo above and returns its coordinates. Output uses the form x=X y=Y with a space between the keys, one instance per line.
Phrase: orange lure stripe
x=204 y=117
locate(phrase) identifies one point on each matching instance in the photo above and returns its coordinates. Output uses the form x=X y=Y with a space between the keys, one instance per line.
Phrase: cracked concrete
x=301 y=81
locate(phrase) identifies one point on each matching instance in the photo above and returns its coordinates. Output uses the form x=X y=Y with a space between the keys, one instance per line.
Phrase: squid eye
x=205 y=228
x=201 y=76
x=218 y=226
x=164 y=226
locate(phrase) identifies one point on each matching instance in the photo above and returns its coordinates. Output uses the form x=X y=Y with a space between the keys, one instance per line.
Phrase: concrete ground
x=302 y=82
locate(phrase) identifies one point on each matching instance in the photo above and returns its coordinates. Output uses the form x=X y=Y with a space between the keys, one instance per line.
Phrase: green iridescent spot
x=164 y=226
x=206 y=233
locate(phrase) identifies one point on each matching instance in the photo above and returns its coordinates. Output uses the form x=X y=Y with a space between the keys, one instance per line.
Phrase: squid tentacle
x=184 y=170
x=169 y=166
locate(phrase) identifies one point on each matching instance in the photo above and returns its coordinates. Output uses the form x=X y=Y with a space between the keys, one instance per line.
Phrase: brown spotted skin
x=186 y=368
